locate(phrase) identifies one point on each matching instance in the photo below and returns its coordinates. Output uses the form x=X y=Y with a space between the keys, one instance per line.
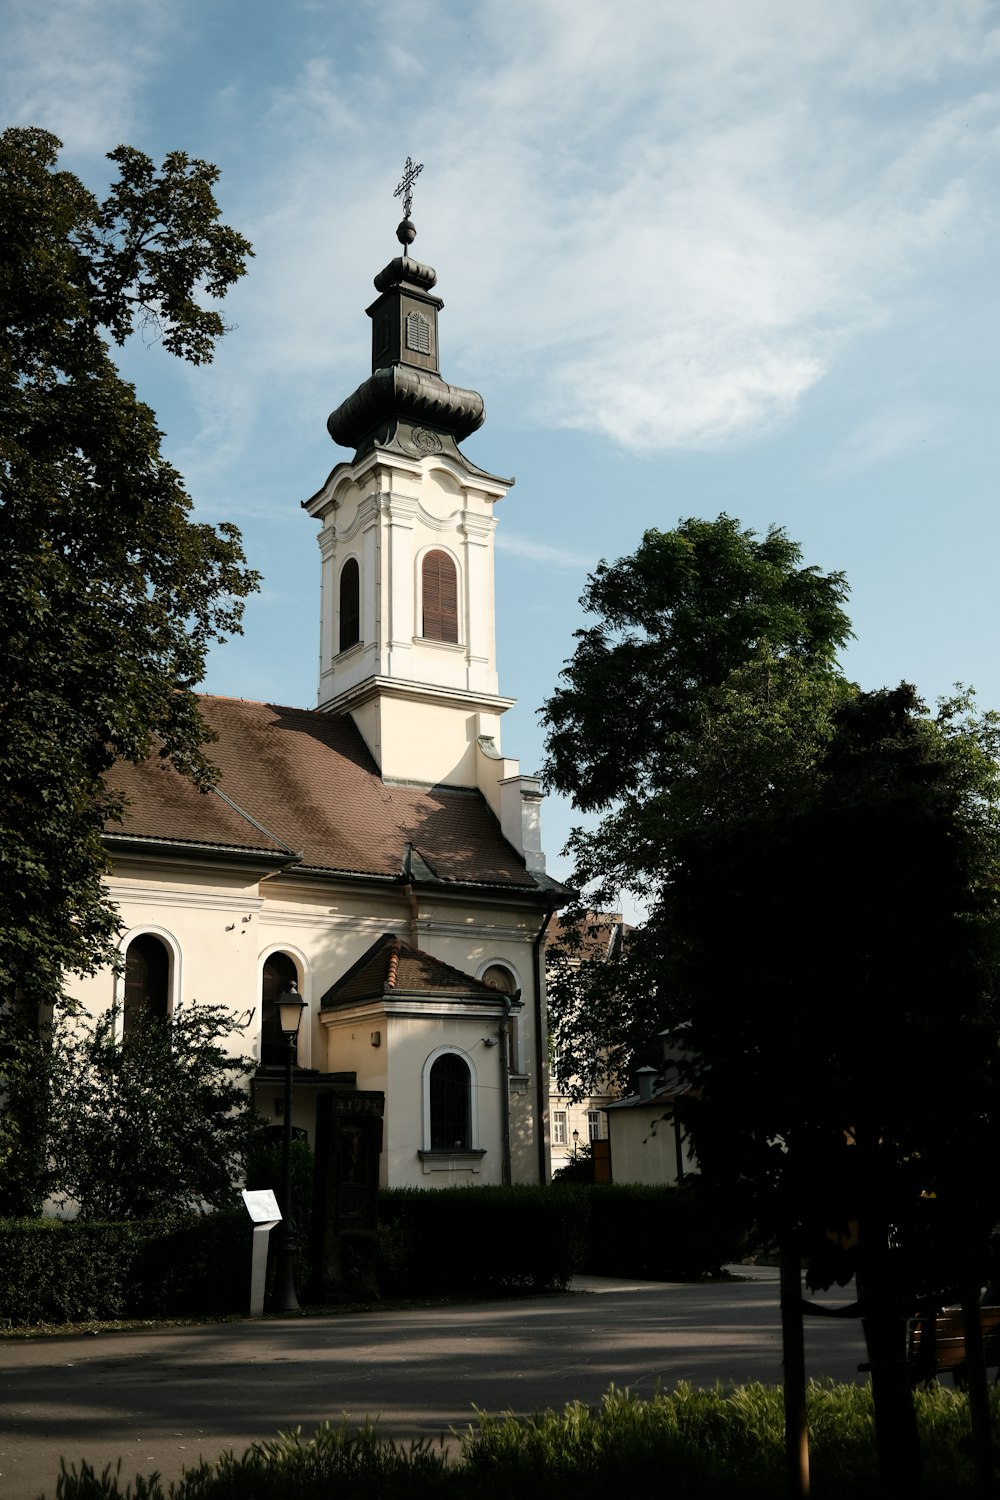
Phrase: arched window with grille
x=450 y=1103
x=147 y=984
x=350 y=605
x=439 y=596
x=278 y=973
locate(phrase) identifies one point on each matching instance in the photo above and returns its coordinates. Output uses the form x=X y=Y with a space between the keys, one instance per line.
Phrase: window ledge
x=455 y=1159
x=430 y=640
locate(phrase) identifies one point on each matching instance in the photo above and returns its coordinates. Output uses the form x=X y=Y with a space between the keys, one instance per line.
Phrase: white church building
x=378 y=849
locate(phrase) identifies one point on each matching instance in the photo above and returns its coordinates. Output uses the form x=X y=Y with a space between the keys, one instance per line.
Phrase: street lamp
x=576 y=1140
x=290 y=1008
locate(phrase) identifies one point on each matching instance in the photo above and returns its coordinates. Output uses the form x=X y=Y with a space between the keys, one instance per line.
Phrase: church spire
x=405 y=405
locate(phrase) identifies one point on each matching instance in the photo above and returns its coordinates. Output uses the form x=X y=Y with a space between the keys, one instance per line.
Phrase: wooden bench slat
x=942 y=1347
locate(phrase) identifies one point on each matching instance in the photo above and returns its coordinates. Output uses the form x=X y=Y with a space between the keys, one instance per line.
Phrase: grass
x=687 y=1444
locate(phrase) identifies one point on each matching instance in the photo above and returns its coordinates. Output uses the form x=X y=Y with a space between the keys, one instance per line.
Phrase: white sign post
x=262 y=1206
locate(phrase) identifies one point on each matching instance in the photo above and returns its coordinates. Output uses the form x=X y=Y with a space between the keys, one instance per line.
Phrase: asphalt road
x=161 y=1400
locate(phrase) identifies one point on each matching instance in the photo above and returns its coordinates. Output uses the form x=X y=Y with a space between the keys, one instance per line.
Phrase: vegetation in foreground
x=686 y=1445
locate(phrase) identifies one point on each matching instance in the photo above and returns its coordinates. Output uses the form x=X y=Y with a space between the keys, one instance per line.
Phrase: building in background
x=577 y=1119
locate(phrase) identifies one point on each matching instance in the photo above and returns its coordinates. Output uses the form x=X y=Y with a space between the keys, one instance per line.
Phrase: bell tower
x=407 y=634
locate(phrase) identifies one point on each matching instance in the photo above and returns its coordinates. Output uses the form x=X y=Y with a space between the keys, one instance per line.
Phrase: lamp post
x=290 y=1008
x=576 y=1142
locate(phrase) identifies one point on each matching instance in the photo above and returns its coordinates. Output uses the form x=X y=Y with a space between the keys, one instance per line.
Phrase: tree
x=705 y=687
x=820 y=868
x=110 y=594
x=157 y=1124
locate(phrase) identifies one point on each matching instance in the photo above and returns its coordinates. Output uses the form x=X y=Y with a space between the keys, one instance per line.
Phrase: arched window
x=147 y=980
x=450 y=1103
x=350 y=604
x=278 y=973
x=501 y=978
x=440 y=598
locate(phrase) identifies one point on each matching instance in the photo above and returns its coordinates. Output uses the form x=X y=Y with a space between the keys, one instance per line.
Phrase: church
x=378 y=851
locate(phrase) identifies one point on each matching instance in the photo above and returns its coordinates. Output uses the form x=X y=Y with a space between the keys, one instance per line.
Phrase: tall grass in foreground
x=688 y=1444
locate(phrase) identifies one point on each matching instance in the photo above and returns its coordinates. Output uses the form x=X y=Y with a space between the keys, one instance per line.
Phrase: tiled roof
x=304 y=782
x=600 y=934
x=391 y=967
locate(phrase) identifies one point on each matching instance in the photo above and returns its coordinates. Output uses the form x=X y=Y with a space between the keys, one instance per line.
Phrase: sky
x=732 y=255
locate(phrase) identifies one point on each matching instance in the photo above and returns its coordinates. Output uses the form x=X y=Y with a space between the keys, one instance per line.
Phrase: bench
x=937 y=1344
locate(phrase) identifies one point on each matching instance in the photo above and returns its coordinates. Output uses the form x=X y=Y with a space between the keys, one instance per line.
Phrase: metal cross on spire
x=405 y=189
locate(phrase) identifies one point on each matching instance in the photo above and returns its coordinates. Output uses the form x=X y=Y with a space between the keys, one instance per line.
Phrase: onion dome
x=404 y=403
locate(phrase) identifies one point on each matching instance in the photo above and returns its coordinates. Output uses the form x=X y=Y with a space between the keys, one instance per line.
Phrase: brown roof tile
x=599 y=933
x=305 y=782
x=391 y=966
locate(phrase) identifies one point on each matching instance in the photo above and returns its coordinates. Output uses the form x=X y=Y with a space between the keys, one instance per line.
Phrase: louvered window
x=418 y=333
x=440 y=598
x=350 y=604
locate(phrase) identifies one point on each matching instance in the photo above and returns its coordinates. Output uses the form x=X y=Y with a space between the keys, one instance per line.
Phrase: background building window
x=593 y=1124
x=440 y=598
x=449 y=1103
x=278 y=973
x=147 y=979
x=350 y=604
x=559 y=1127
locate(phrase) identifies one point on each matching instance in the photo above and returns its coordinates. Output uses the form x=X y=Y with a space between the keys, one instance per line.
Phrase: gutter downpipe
x=503 y=1031
x=541 y=1086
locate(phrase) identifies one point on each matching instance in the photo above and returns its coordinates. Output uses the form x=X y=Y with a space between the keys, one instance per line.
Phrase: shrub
x=687 y=1444
x=659 y=1233
x=478 y=1240
x=53 y=1271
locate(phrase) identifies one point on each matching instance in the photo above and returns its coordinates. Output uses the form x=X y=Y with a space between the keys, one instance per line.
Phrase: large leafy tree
x=110 y=593
x=820 y=868
x=705 y=686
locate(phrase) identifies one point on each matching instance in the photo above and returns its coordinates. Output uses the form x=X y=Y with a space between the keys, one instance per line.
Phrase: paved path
x=160 y=1400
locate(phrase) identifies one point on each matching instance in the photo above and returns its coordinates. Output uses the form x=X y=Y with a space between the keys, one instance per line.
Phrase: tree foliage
x=676 y=620
x=110 y=594
x=820 y=869
x=705 y=688
x=160 y=1123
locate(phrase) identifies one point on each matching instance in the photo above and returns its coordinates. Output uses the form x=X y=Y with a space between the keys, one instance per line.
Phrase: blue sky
x=736 y=255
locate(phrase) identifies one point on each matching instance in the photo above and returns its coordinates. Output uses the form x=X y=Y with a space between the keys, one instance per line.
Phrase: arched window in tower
x=439 y=592
x=350 y=604
x=450 y=1103
x=147 y=981
x=278 y=973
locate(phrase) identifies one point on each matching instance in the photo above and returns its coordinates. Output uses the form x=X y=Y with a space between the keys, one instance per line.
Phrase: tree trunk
x=794 y=1362
x=896 y=1437
x=979 y=1399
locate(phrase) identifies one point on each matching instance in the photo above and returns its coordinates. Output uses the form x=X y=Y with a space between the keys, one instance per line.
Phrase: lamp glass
x=290 y=1008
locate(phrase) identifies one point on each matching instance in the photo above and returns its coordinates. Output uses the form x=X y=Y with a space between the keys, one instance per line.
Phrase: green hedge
x=658 y=1233
x=54 y=1271
x=478 y=1240
x=470 y=1241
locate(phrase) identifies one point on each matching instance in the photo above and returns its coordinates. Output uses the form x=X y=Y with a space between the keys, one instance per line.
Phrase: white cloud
x=80 y=68
x=563 y=558
x=889 y=433
x=664 y=231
